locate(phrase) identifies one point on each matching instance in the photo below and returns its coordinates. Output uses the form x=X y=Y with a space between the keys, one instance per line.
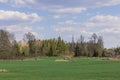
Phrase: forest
x=10 y=48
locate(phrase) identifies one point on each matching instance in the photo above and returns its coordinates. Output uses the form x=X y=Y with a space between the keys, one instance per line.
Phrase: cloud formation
x=15 y=17
x=72 y=30
x=63 y=6
x=3 y=1
x=18 y=28
x=67 y=10
x=100 y=23
x=105 y=23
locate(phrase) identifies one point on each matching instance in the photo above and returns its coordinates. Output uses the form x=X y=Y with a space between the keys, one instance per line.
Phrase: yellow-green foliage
x=24 y=48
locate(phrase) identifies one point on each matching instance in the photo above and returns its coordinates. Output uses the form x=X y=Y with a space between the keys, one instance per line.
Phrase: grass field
x=48 y=69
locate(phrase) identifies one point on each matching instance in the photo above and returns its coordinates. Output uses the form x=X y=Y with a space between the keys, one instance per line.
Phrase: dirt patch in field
x=115 y=59
x=112 y=59
x=3 y=70
x=61 y=60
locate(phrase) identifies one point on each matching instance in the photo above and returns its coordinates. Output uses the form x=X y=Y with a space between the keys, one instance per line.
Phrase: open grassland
x=50 y=69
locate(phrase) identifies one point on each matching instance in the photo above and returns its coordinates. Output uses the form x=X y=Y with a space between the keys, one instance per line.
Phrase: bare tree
x=5 y=44
x=30 y=38
x=94 y=38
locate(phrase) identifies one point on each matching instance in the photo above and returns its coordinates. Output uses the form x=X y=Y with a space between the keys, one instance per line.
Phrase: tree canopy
x=32 y=47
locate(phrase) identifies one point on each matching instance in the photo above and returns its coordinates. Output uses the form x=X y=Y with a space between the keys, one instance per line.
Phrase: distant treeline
x=32 y=47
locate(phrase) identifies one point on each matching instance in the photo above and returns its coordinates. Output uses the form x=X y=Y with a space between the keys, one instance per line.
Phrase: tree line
x=32 y=47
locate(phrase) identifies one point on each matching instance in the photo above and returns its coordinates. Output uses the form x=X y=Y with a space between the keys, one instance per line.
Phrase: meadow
x=49 y=69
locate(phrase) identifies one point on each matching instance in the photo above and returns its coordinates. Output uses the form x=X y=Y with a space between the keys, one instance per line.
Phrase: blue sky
x=53 y=18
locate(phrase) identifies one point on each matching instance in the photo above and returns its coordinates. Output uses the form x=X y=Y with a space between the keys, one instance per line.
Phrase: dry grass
x=3 y=70
x=111 y=58
x=61 y=60
x=116 y=59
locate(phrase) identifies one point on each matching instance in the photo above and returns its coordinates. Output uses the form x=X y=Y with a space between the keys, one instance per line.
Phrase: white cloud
x=67 y=10
x=64 y=6
x=18 y=28
x=106 y=25
x=62 y=29
x=15 y=22
x=111 y=30
x=102 y=21
x=3 y=1
x=72 y=30
x=102 y=18
x=19 y=2
x=69 y=22
x=56 y=16
x=109 y=3
x=53 y=8
x=15 y=17
x=21 y=28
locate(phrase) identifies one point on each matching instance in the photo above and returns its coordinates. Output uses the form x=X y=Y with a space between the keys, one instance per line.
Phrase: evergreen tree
x=77 y=50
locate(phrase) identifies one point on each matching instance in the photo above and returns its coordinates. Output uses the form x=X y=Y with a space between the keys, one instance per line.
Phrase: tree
x=5 y=44
x=30 y=38
x=60 y=46
x=100 y=46
x=72 y=45
x=81 y=45
x=10 y=48
x=53 y=46
x=94 y=38
x=77 y=50
x=15 y=50
x=117 y=51
x=93 y=45
x=105 y=53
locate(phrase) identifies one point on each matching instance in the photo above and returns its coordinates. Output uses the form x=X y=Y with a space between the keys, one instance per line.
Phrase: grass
x=49 y=69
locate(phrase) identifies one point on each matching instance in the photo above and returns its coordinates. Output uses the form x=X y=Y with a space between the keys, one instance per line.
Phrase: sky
x=66 y=18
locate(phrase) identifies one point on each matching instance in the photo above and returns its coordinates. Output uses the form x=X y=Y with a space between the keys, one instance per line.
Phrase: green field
x=48 y=69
